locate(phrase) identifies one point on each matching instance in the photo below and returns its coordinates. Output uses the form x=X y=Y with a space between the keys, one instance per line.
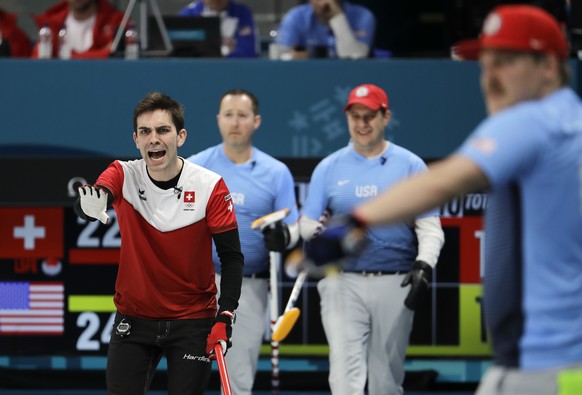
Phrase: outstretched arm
x=453 y=176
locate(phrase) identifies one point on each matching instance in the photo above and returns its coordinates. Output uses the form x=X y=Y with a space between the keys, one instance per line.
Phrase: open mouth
x=156 y=154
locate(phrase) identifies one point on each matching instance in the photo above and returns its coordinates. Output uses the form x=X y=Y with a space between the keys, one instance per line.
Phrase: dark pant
x=132 y=359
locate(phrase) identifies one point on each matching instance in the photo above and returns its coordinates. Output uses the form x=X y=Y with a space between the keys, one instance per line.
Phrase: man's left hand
x=343 y=236
x=418 y=278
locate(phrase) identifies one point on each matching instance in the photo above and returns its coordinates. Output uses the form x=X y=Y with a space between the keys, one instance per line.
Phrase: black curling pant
x=132 y=359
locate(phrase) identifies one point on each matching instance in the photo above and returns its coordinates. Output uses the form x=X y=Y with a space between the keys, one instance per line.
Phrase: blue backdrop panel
x=82 y=107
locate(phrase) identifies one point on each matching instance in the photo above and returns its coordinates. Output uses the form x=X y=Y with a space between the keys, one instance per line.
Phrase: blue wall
x=86 y=107
x=83 y=107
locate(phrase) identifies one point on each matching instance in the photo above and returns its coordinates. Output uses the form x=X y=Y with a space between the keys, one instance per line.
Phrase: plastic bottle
x=131 y=42
x=64 y=47
x=4 y=49
x=45 y=43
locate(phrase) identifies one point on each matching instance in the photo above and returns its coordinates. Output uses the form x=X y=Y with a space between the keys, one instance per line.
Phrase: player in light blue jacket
x=259 y=185
x=369 y=333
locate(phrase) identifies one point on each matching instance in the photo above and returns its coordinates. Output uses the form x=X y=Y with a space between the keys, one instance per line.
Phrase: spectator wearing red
x=91 y=26
x=16 y=42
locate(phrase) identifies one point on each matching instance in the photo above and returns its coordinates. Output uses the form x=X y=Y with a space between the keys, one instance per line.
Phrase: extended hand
x=92 y=204
x=343 y=236
x=418 y=278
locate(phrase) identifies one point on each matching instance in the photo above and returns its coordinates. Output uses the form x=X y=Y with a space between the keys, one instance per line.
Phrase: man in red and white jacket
x=169 y=211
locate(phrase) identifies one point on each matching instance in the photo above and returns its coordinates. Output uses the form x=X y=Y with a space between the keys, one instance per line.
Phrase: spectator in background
x=239 y=33
x=327 y=29
x=13 y=41
x=91 y=26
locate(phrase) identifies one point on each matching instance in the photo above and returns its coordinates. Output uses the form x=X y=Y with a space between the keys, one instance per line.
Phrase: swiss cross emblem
x=189 y=197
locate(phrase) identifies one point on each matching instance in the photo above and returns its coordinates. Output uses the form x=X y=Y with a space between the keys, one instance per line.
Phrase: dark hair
x=160 y=101
x=241 y=92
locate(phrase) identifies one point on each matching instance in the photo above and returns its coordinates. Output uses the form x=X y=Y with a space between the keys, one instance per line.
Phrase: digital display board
x=57 y=272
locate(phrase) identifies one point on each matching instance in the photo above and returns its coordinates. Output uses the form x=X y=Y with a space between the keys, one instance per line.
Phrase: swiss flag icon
x=189 y=197
x=31 y=232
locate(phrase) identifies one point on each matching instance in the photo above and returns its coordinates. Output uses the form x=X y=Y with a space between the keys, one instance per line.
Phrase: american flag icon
x=31 y=308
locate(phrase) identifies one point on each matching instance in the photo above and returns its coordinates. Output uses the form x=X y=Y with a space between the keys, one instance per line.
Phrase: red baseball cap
x=516 y=28
x=369 y=95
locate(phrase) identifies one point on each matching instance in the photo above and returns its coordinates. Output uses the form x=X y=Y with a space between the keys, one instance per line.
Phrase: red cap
x=516 y=28
x=370 y=96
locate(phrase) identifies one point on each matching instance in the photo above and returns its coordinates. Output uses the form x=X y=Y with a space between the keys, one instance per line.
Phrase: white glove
x=94 y=202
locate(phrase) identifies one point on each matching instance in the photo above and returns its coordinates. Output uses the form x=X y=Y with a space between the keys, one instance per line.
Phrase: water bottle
x=45 y=43
x=131 y=43
x=4 y=47
x=64 y=47
x=277 y=51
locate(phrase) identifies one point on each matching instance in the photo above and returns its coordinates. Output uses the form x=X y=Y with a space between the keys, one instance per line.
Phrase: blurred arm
x=453 y=176
x=347 y=45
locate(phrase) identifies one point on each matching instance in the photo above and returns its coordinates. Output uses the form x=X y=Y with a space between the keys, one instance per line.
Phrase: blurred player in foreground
x=367 y=312
x=528 y=155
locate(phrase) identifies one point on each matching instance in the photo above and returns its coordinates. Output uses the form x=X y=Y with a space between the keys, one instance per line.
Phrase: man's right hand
x=221 y=333
x=91 y=204
x=327 y=9
x=343 y=236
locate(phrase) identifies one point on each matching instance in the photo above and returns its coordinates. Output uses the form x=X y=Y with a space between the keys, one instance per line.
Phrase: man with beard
x=528 y=155
x=90 y=27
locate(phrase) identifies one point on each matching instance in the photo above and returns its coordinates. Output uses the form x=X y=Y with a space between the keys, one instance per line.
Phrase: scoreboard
x=57 y=272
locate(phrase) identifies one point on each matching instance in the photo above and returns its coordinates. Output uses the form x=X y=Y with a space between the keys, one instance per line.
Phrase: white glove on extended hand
x=94 y=202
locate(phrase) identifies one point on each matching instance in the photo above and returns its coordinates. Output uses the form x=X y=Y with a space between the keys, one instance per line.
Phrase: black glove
x=221 y=332
x=276 y=236
x=343 y=236
x=418 y=278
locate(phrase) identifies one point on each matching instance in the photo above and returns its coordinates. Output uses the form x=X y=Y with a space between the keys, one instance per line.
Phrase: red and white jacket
x=20 y=46
x=108 y=20
x=165 y=266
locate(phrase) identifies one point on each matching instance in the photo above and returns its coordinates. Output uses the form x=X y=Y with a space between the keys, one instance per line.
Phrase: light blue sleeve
x=201 y=158
x=285 y=197
x=506 y=146
x=289 y=33
x=420 y=167
x=195 y=159
x=316 y=200
x=364 y=27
